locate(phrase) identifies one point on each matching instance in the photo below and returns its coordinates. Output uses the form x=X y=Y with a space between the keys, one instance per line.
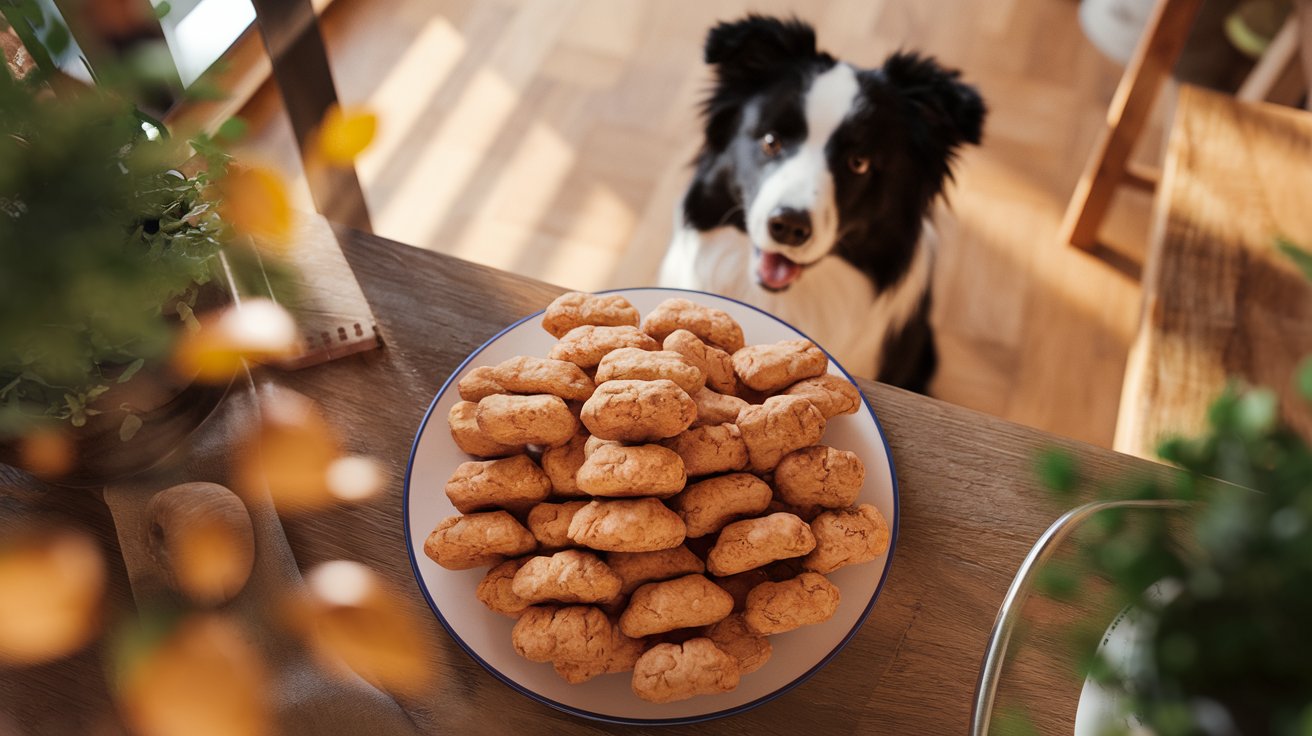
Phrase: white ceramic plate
x=486 y=635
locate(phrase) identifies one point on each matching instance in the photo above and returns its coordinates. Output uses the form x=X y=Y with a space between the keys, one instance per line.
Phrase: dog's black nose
x=789 y=226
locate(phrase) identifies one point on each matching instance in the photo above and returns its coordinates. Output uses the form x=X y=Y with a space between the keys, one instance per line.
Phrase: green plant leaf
x=1303 y=378
x=1057 y=582
x=1256 y=412
x=131 y=370
x=232 y=130
x=1300 y=257
x=1058 y=471
x=163 y=9
x=188 y=317
x=57 y=39
x=128 y=429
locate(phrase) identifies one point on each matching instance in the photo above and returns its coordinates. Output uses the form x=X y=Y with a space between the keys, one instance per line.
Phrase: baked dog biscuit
x=515 y=483
x=623 y=655
x=494 y=589
x=570 y=576
x=733 y=637
x=595 y=443
x=639 y=470
x=637 y=568
x=571 y=633
x=650 y=365
x=529 y=375
x=585 y=346
x=478 y=384
x=575 y=309
x=526 y=420
x=691 y=600
x=777 y=427
x=819 y=476
x=475 y=540
x=628 y=525
x=714 y=408
x=771 y=367
x=716 y=364
x=670 y=672
x=741 y=584
x=832 y=395
x=549 y=523
x=563 y=462
x=706 y=507
x=750 y=543
x=463 y=420
x=847 y=537
x=805 y=513
x=773 y=608
x=639 y=411
x=710 y=325
x=713 y=448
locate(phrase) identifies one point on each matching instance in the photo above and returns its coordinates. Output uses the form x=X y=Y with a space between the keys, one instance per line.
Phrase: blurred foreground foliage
x=1229 y=650
x=104 y=244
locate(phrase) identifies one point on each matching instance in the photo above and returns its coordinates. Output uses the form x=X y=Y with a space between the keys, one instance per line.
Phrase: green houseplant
x=1227 y=654
x=107 y=252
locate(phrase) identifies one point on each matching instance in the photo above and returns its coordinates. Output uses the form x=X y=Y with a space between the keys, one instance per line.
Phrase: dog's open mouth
x=776 y=272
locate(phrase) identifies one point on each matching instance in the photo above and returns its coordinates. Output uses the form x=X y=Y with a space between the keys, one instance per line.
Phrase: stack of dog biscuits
x=652 y=497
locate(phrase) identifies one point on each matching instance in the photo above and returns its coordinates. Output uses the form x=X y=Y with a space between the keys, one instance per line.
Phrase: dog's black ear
x=754 y=47
x=950 y=106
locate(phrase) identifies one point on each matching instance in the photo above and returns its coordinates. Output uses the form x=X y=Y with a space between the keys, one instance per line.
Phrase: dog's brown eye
x=770 y=144
x=858 y=164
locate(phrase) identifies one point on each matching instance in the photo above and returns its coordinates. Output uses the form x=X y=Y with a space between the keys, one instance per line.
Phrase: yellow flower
x=53 y=583
x=256 y=203
x=204 y=679
x=345 y=133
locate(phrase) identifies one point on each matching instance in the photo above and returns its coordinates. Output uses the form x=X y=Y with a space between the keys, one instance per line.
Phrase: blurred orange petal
x=355 y=478
x=345 y=133
x=254 y=200
x=52 y=583
x=257 y=330
x=204 y=679
x=201 y=534
x=291 y=451
x=46 y=453
x=351 y=617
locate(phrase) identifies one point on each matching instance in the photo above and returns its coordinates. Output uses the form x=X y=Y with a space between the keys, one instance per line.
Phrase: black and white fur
x=813 y=187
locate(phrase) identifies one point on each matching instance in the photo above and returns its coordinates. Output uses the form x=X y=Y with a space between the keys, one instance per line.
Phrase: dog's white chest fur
x=833 y=303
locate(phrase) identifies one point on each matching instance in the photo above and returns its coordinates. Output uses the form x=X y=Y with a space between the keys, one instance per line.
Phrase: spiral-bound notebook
x=323 y=297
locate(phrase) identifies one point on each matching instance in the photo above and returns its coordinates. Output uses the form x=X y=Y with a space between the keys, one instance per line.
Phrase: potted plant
x=107 y=253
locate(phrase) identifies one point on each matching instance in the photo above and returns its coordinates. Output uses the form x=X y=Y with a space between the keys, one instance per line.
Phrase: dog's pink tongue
x=776 y=271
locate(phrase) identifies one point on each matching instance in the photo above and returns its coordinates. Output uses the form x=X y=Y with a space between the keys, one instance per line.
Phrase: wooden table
x=970 y=509
x=1219 y=300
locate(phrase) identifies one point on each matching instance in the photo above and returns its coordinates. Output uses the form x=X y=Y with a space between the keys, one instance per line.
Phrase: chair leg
x=1153 y=60
x=300 y=66
x=1278 y=61
x=1303 y=9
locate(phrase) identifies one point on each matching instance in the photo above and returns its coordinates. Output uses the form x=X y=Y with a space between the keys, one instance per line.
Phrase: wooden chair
x=1275 y=77
x=1109 y=164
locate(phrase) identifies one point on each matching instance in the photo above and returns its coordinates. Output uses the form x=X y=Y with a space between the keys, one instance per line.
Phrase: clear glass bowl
x=1032 y=674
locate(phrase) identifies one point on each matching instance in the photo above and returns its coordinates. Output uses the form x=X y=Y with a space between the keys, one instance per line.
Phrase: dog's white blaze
x=803 y=181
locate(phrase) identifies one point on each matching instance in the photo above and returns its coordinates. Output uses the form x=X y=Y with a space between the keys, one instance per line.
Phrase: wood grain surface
x=1220 y=301
x=970 y=509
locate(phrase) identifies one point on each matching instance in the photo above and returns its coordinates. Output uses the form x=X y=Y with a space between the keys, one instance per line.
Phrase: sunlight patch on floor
x=405 y=93
x=474 y=122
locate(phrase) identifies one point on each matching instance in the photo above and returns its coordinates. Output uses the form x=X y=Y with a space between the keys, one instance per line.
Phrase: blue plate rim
x=684 y=720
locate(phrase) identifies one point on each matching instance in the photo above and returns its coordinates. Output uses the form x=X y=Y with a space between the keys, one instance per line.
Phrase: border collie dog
x=812 y=189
